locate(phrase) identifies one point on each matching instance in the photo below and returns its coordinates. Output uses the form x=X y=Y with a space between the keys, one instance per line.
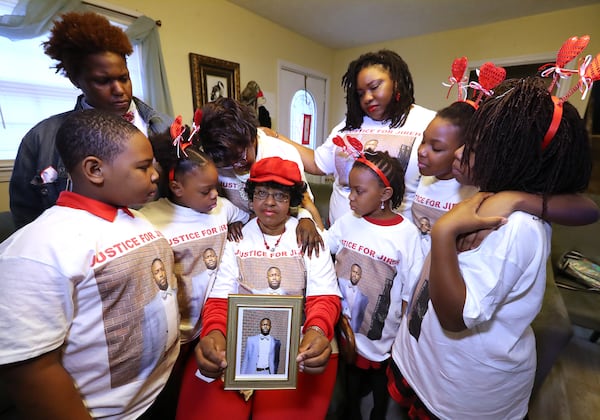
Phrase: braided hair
x=505 y=136
x=397 y=112
x=391 y=168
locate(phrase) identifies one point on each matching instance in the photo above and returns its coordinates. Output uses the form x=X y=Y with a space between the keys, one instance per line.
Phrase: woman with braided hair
x=380 y=106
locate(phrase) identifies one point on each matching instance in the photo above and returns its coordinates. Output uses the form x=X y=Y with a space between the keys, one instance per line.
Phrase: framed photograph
x=263 y=333
x=213 y=78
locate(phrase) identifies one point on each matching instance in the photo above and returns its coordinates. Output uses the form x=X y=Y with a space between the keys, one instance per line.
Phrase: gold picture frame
x=212 y=78
x=244 y=330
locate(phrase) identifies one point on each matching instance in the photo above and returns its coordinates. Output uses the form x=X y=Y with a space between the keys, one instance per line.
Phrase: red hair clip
x=354 y=148
x=177 y=130
x=589 y=72
x=489 y=76
x=569 y=50
x=458 y=78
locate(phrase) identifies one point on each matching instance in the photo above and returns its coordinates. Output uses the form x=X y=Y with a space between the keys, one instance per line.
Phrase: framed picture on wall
x=213 y=78
x=263 y=333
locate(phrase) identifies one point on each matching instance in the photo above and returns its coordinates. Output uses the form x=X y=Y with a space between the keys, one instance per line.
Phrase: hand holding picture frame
x=213 y=78
x=263 y=333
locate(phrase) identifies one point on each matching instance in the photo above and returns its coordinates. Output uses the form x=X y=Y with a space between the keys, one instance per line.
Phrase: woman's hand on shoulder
x=234 y=231
x=308 y=237
x=501 y=204
x=464 y=218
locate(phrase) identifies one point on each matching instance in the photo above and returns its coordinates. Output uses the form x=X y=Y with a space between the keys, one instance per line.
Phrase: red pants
x=401 y=392
x=201 y=400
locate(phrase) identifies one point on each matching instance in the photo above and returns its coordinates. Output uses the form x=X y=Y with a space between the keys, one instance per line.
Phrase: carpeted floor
x=572 y=389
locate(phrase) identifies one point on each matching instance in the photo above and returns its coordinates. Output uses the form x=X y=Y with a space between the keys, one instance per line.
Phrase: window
x=30 y=88
x=303 y=111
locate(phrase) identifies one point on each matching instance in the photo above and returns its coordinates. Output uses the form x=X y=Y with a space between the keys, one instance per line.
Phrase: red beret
x=275 y=169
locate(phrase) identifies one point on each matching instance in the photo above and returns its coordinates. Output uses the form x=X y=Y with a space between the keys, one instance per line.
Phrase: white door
x=302 y=105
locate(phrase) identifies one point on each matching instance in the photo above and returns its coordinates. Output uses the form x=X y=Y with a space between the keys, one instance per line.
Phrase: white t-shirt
x=244 y=265
x=486 y=371
x=433 y=198
x=399 y=142
x=389 y=255
x=190 y=234
x=79 y=278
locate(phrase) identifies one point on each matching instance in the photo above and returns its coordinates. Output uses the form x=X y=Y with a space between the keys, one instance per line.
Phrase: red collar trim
x=97 y=208
x=387 y=222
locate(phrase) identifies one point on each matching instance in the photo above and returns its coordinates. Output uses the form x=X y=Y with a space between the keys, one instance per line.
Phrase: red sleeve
x=322 y=311
x=214 y=316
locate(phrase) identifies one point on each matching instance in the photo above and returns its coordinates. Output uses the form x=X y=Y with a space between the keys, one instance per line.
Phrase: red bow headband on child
x=354 y=148
x=489 y=76
x=589 y=71
x=177 y=129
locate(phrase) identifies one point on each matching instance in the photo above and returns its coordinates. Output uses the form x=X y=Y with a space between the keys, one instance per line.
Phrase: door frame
x=289 y=66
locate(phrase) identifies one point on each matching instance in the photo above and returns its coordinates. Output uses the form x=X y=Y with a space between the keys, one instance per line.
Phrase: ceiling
x=351 y=23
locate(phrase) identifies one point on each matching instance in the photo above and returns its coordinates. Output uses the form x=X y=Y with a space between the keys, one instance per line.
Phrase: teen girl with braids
x=465 y=349
x=438 y=191
x=385 y=247
x=380 y=106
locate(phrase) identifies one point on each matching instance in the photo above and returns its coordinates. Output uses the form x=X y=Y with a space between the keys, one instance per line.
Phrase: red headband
x=556 y=117
x=362 y=159
x=570 y=49
x=489 y=77
x=355 y=150
x=589 y=71
x=177 y=130
x=458 y=78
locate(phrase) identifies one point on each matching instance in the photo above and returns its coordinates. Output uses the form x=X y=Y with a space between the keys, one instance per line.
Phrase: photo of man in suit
x=354 y=301
x=262 y=352
x=274 y=282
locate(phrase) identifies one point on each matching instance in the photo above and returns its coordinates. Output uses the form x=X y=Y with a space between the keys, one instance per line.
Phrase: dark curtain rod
x=157 y=22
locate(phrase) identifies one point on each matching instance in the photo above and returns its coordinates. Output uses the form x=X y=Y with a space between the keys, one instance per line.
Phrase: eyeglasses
x=279 y=196
x=241 y=162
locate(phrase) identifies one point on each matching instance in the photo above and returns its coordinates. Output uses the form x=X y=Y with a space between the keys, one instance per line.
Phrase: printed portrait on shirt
x=149 y=273
x=419 y=302
x=365 y=302
x=279 y=276
x=196 y=262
